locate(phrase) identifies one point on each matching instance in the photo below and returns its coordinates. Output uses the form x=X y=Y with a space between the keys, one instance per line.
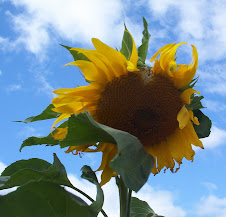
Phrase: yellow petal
x=191 y=135
x=183 y=117
x=131 y=67
x=186 y=95
x=164 y=48
x=194 y=119
x=117 y=60
x=90 y=71
x=185 y=73
x=60 y=133
x=134 y=56
x=60 y=118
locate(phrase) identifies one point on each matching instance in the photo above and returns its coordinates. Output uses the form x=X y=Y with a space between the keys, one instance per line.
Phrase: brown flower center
x=142 y=104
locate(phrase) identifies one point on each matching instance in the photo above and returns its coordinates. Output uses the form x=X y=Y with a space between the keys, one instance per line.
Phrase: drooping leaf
x=203 y=130
x=46 y=114
x=127 y=44
x=89 y=175
x=42 y=198
x=24 y=171
x=143 y=49
x=140 y=208
x=132 y=162
x=76 y=55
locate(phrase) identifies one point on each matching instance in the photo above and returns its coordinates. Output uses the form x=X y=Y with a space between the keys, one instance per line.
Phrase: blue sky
x=31 y=61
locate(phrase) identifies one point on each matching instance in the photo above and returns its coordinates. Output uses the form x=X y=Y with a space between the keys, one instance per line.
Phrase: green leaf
x=43 y=198
x=195 y=103
x=48 y=140
x=127 y=44
x=46 y=114
x=76 y=55
x=143 y=49
x=132 y=162
x=140 y=208
x=24 y=171
x=202 y=130
x=89 y=175
x=81 y=131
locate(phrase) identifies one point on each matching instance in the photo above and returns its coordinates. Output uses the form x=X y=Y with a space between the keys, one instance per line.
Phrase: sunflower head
x=154 y=104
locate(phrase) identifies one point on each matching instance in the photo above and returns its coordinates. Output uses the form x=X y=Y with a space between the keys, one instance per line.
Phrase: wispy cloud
x=197 y=22
x=211 y=206
x=13 y=88
x=0 y=72
x=40 y=23
x=27 y=131
x=2 y=167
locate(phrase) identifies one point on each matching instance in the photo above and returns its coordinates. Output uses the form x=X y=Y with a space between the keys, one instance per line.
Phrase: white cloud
x=27 y=131
x=0 y=72
x=211 y=206
x=214 y=106
x=78 y=21
x=217 y=138
x=197 y=22
x=160 y=200
x=13 y=87
x=210 y=186
x=44 y=86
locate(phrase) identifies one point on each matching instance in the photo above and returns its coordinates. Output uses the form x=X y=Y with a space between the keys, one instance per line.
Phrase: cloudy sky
x=31 y=61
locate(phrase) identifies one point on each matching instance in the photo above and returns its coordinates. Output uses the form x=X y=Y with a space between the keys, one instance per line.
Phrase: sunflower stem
x=124 y=197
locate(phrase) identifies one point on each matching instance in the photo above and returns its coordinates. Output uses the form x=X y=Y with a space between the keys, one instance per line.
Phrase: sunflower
x=147 y=102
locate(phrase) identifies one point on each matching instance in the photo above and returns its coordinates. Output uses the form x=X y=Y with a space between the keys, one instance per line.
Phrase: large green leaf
x=24 y=171
x=89 y=175
x=44 y=199
x=132 y=162
x=76 y=55
x=46 y=114
x=202 y=130
x=140 y=208
x=127 y=44
x=143 y=49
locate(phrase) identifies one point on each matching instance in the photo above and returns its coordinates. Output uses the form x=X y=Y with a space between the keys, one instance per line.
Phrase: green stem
x=129 y=203
x=124 y=197
x=88 y=197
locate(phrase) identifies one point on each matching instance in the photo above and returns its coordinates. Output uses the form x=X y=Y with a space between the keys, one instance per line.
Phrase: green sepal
x=143 y=49
x=24 y=171
x=46 y=114
x=76 y=55
x=89 y=175
x=204 y=128
x=42 y=198
x=127 y=44
x=195 y=103
x=141 y=208
x=190 y=85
